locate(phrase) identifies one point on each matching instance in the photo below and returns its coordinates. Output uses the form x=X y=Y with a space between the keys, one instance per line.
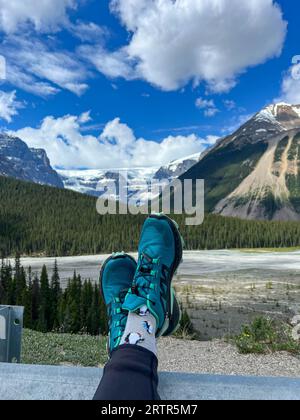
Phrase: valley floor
x=196 y=264
x=221 y=290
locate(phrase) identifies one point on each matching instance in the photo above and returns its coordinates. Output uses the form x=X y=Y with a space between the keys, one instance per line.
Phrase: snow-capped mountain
x=93 y=182
x=17 y=160
x=282 y=115
x=255 y=172
x=177 y=167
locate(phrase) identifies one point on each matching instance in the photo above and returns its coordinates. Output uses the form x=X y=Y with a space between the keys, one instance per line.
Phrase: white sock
x=140 y=330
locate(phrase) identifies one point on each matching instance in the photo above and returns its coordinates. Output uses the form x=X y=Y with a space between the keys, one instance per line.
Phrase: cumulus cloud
x=69 y=147
x=41 y=69
x=290 y=88
x=208 y=105
x=43 y=16
x=8 y=105
x=174 y=42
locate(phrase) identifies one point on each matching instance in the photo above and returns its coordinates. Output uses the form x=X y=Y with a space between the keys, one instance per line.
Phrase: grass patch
x=264 y=336
x=63 y=349
x=186 y=330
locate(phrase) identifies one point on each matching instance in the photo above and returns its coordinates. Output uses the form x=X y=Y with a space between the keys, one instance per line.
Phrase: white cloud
x=208 y=105
x=111 y=64
x=2 y=68
x=211 y=112
x=87 y=31
x=28 y=82
x=117 y=146
x=39 y=68
x=85 y=117
x=205 y=103
x=35 y=61
x=290 y=88
x=8 y=105
x=174 y=42
x=42 y=15
x=211 y=140
x=229 y=104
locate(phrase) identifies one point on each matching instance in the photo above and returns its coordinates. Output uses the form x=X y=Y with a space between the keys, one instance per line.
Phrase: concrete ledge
x=26 y=382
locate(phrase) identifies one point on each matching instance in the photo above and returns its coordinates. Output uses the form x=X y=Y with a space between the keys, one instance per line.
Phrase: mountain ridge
x=19 y=161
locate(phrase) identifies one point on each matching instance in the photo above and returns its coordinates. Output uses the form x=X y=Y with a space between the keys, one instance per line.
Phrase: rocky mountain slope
x=17 y=160
x=255 y=172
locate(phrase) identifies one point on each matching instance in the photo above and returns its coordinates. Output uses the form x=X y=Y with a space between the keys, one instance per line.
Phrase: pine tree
x=95 y=316
x=61 y=312
x=56 y=225
x=17 y=267
x=85 y=304
x=73 y=304
x=12 y=292
x=5 y=280
x=20 y=281
x=35 y=302
x=103 y=315
x=79 y=308
x=27 y=301
x=55 y=291
x=45 y=302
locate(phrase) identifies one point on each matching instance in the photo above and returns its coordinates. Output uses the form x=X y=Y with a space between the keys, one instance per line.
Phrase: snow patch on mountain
x=93 y=182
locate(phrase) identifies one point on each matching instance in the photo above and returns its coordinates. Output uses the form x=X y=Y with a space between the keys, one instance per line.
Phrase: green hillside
x=293 y=180
x=224 y=169
x=37 y=219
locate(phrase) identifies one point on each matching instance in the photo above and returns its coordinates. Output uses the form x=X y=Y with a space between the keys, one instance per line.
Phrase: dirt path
x=218 y=357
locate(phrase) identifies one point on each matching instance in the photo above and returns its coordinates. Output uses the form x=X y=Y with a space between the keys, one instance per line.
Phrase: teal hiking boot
x=160 y=254
x=116 y=278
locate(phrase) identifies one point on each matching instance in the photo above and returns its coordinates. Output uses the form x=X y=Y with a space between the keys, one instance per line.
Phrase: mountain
x=177 y=167
x=255 y=172
x=90 y=181
x=17 y=160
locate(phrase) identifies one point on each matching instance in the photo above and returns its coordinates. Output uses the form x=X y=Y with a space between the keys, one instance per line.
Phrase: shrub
x=265 y=335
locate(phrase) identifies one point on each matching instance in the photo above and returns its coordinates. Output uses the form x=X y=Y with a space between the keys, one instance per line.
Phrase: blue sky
x=141 y=82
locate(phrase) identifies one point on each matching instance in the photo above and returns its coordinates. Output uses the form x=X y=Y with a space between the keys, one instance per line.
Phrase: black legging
x=130 y=374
